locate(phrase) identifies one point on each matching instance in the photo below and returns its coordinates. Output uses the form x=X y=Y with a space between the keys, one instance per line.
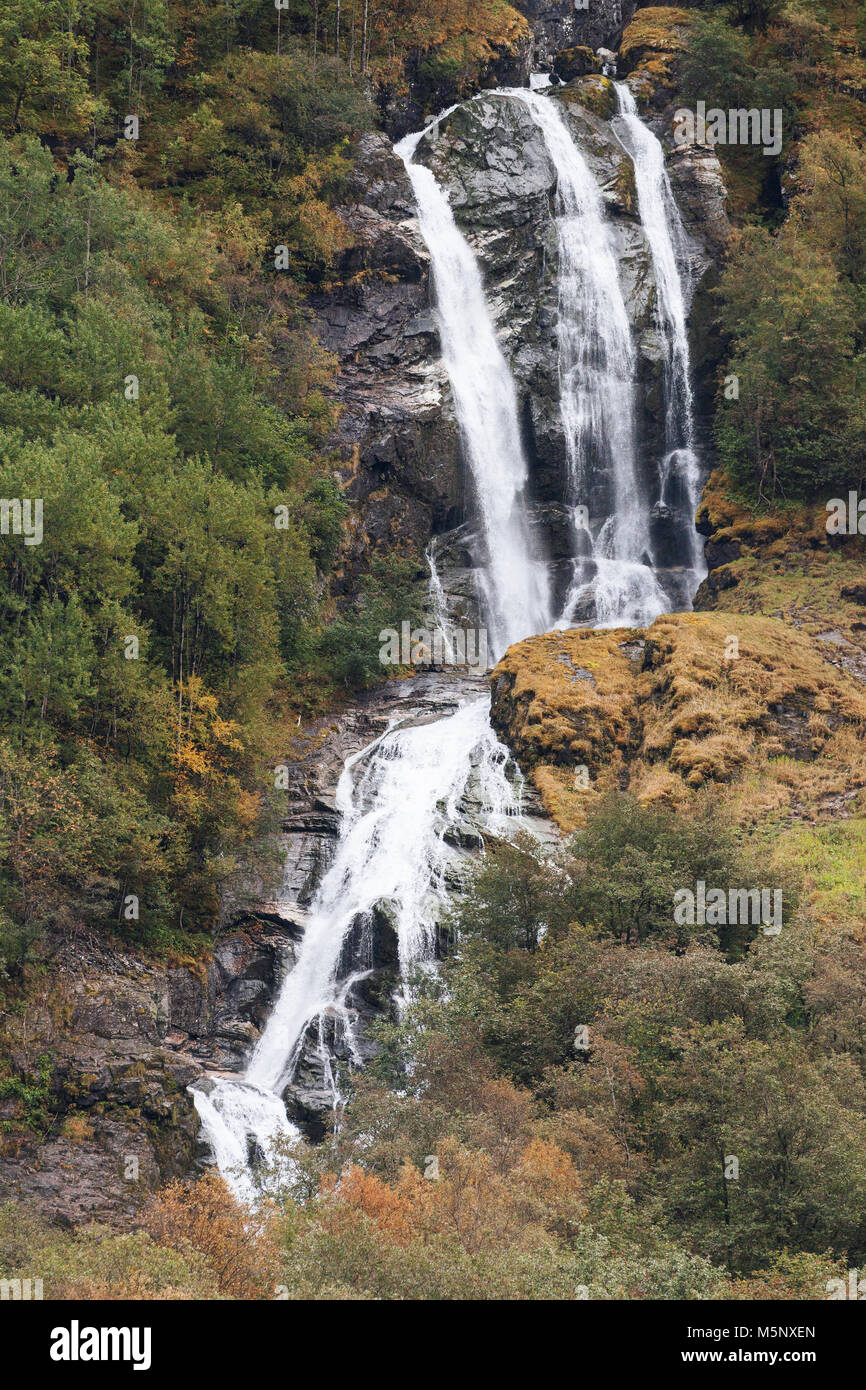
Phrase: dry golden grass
x=568 y=697
x=776 y=728
x=655 y=30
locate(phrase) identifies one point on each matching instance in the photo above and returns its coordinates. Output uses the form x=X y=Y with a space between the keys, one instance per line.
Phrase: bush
x=389 y=596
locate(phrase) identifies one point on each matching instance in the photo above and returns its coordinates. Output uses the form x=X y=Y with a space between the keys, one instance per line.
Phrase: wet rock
x=491 y=157
x=715 y=582
x=699 y=187
x=402 y=458
x=718 y=553
x=666 y=535
x=559 y=25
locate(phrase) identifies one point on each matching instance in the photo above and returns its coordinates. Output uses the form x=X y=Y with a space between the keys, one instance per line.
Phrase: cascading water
x=438 y=604
x=514 y=581
x=404 y=799
x=398 y=798
x=680 y=475
x=612 y=569
x=393 y=852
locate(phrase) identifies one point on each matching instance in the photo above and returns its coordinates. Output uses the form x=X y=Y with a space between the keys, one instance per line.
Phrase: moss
x=651 y=44
x=596 y=94
x=788 y=567
x=660 y=27
x=576 y=62
x=567 y=698
x=77 y=1129
x=625 y=186
x=694 y=709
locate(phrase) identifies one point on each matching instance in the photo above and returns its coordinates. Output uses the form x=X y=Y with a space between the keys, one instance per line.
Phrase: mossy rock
x=698 y=700
x=576 y=62
x=596 y=93
x=625 y=188
x=660 y=29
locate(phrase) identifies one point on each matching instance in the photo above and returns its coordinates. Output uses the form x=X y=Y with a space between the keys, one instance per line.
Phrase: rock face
x=785 y=565
x=398 y=435
x=397 y=432
x=110 y=1053
x=563 y=24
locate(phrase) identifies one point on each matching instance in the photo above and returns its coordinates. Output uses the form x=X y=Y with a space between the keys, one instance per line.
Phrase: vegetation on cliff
x=168 y=177
x=586 y=1067
x=790 y=420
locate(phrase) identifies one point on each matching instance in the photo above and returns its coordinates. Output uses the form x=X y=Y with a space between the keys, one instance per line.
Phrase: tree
x=763 y=1148
x=796 y=427
x=43 y=67
x=756 y=15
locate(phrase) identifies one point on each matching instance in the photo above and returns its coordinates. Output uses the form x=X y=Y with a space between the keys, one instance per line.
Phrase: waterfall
x=395 y=852
x=680 y=474
x=405 y=799
x=597 y=368
x=438 y=603
x=514 y=581
x=401 y=800
x=393 y=855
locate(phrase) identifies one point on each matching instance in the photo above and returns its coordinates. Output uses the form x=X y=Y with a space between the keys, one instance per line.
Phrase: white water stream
x=597 y=370
x=404 y=799
x=514 y=579
x=680 y=482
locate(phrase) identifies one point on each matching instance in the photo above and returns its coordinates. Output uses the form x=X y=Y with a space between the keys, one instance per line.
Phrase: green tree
x=796 y=427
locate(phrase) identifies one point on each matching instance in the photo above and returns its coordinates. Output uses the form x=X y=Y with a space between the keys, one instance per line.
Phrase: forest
x=206 y=600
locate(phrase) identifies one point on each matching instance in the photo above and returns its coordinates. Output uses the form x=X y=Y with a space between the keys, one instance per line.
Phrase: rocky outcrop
x=650 y=48
x=698 y=700
x=491 y=157
x=397 y=434
x=785 y=565
x=97 y=1112
x=564 y=24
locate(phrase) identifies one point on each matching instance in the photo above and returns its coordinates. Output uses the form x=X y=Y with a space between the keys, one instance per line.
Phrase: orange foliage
x=468 y=1200
x=204 y=1216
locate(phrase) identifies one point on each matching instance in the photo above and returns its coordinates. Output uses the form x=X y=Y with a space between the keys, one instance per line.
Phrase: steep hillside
x=391 y=949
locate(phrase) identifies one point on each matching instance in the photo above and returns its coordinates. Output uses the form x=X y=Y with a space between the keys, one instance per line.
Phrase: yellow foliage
x=679 y=707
